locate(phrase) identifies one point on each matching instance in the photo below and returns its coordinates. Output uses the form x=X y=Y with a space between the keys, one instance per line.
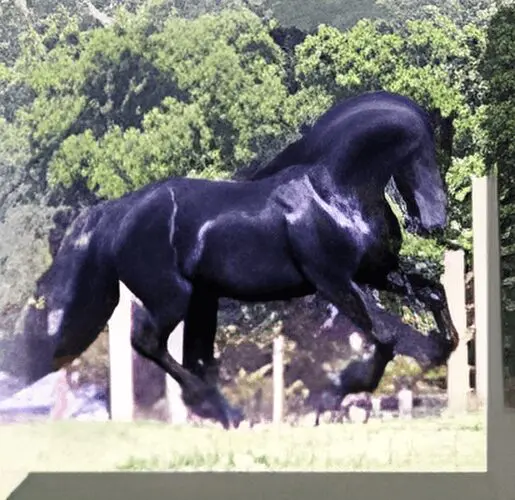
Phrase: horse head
x=420 y=183
x=378 y=137
x=375 y=137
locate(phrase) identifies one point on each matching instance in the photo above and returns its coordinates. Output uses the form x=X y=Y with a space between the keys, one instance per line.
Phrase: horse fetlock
x=197 y=394
x=437 y=351
x=208 y=402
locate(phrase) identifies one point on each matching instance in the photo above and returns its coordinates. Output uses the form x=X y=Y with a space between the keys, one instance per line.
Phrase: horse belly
x=249 y=264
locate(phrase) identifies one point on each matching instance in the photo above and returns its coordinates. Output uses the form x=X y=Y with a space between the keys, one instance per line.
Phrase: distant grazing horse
x=181 y=244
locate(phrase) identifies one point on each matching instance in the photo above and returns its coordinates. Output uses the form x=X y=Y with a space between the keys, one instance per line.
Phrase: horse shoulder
x=293 y=199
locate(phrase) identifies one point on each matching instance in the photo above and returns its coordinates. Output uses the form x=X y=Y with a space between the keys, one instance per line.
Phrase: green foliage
x=231 y=67
x=14 y=152
x=92 y=109
x=308 y=14
x=24 y=219
x=498 y=68
x=23 y=251
x=197 y=97
x=414 y=61
x=462 y=12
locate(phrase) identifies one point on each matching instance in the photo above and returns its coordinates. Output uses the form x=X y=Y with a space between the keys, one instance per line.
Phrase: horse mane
x=304 y=149
x=293 y=154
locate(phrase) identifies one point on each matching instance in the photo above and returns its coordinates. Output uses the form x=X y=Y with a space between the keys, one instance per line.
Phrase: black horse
x=180 y=244
x=380 y=267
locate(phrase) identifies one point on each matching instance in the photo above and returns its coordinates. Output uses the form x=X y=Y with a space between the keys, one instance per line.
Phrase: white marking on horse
x=356 y=342
x=297 y=214
x=171 y=235
x=201 y=237
x=333 y=312
x=173 y=215
x=199 y=245
x=83 y=240
x=350 y=219
x=54 y=320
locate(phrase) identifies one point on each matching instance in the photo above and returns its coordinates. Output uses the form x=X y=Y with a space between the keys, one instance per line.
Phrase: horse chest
x=339 y=225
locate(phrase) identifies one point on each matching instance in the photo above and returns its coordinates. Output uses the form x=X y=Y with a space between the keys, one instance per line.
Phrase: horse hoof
x=230 y=417
x=237 y=417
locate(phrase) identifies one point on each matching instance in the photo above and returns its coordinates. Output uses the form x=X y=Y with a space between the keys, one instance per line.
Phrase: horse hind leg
x=345 y=294
x=199 y=338
x=152 y=342
x=166 y=306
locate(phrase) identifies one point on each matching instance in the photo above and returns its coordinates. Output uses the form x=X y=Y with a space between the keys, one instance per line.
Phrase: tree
x=117 y=108
x=498 y=68
x=309 y=14
x=462 y=12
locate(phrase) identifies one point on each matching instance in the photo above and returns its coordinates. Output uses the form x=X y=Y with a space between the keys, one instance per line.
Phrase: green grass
x=443 y=444
x=429 y=445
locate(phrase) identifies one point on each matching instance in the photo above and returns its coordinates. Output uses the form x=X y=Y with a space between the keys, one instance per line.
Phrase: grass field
x=438 y=444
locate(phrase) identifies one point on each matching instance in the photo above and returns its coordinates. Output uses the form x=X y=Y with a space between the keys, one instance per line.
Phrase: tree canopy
x=100 y=98
x=498 y=68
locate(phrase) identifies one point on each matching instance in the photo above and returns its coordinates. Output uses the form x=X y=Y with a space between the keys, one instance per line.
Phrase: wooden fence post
x=120 y=359
x=60 y=395
x=458 y=369
x=405 y=399
x=278 y=379
x=484 y=223
x=177 y=410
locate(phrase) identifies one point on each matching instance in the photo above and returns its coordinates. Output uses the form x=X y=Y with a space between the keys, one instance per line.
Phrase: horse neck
x=366 y=181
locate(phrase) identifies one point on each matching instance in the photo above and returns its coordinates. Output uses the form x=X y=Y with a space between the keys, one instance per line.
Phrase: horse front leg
x=372 y=354
x=432 y=295
x=344 y=294
x=428 y=350
x=362 y=374
x=198 y=347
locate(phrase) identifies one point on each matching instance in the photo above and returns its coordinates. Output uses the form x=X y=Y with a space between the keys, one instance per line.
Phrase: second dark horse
x=181 y=244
